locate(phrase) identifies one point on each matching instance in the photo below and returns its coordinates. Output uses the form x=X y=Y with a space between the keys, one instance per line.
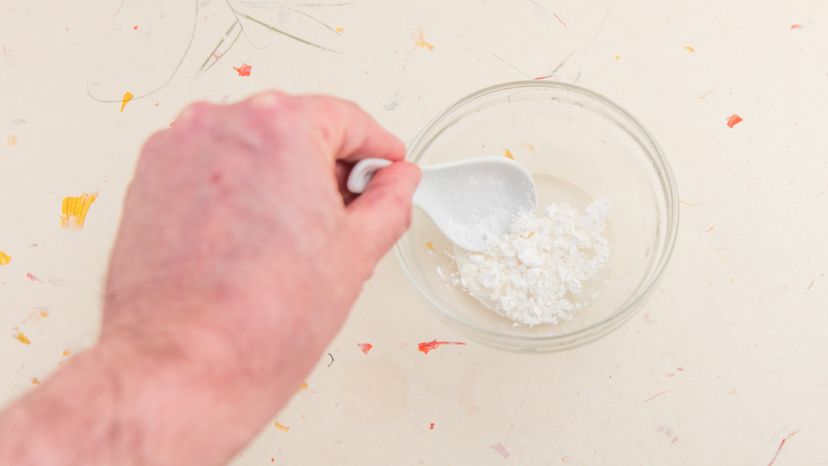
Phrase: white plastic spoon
x=470 y=201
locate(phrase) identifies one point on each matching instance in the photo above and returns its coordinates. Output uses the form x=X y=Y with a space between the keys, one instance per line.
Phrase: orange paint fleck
x=125 y=100
x=365 y=347
x=434 y=344
x=11 y=141
x=35 y=381
x=530 y=147
x=430 y=246
x=430 y=426
x=243 y=70
x=733 y=120
x=5 y=259
x=67 y=352
x=419 y=39
x=22 y=338
x=689 y=49
x=508 y=154
x=44 y=314
x=339 y=29
x=281 y=426
x=796 y=26
x=74 y=210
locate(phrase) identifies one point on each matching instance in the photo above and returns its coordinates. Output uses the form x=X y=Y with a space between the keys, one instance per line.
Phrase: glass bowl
x=579 y=146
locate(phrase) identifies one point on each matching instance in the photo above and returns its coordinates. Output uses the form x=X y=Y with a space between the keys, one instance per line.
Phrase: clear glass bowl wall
x=579 y=147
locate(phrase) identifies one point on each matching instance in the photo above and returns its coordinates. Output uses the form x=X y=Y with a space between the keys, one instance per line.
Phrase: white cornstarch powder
x=534 y=273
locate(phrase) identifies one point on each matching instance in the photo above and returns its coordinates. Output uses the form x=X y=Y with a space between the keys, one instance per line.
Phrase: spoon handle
x=362 y=173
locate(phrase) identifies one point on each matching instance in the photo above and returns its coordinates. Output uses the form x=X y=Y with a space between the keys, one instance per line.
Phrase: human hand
x=237 y=255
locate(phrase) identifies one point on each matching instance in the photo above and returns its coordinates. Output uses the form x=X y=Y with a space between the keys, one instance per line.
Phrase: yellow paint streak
x=419 y=39
x=617 y=57
x=430 y=246
x=127 y=97
x=4 y=258
x=35 y=381
x=508 y=154
x=304 y=386
x=281 y=426
x=689 y=49
x=11 y=141
x=339 y=29
x=74 y=210
x=22 y=338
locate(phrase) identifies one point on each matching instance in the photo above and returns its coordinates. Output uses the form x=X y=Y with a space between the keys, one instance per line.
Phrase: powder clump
x=533 y=273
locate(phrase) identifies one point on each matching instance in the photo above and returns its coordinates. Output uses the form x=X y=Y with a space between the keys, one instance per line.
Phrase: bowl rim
x=622 y=313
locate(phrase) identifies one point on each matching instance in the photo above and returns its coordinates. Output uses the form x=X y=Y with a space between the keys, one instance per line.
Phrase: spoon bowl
x=471 y=201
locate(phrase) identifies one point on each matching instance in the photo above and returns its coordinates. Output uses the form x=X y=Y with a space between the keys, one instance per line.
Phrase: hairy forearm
x=67 y=420
x=115 y=405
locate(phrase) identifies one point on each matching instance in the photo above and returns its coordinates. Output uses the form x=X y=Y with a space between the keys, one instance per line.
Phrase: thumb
x=382 y=213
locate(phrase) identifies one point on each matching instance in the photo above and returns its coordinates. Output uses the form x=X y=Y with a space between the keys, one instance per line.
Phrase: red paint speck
x=796 y=26
x=680 y=369
x=365 y=347
x=668 y=432
x=31 y=277
x=434 y=344
x=501 y=450
x=560 y=20
x=135 y=28
x=733 y=120
x=430 y=426
x=243 y=70
x=779 y=448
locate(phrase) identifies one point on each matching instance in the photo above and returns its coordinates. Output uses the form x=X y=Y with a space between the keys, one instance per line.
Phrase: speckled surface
x=724 y=362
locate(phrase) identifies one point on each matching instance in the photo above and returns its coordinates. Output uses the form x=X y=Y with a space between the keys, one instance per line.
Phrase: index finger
x=348 y=131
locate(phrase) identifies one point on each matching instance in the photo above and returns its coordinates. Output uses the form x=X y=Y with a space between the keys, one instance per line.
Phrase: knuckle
x=271 y=100
x=274 y=111
x=352 y=106
x=400 y=200
x=196 y=114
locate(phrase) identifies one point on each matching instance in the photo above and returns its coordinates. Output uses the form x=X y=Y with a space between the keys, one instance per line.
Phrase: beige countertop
x=725 y=362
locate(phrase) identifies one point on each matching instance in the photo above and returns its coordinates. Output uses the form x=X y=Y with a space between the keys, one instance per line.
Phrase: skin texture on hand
x=238 y=258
